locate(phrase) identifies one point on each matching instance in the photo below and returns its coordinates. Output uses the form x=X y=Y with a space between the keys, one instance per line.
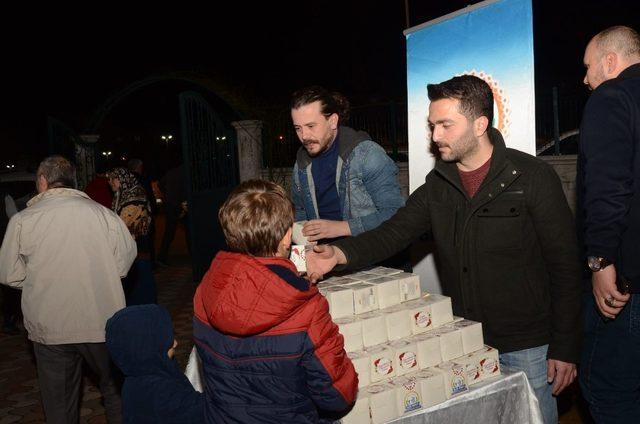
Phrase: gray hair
x=58 y=172
x=620 y=39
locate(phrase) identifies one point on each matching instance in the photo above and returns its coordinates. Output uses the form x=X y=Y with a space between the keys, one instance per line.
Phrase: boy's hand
x=322 y=259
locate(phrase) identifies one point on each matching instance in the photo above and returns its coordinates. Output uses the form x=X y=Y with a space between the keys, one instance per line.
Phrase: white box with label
x=398 y=322
x=382 y=402
x=419 y=314
x=340 y=301
x=450 y=342
x=489 y=362
x=432 y=386
x=351 y=330
x=441 y=310
x=299 y=257
x=359 y=414
x=409 y=285
x=472 y=367
x=455 y=378
x=439 y=307
x=374 y=329
x=408 y=394
x=472 y=338
x=361 y=363
x=382 y=362
x=406 y=356
x=429 y=350
x=364 y=298
x=387 y=291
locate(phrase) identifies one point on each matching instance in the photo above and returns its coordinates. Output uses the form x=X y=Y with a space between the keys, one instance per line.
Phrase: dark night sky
x=65 y=63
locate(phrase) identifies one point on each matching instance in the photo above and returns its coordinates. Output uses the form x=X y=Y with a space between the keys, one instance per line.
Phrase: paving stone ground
x=19 y=393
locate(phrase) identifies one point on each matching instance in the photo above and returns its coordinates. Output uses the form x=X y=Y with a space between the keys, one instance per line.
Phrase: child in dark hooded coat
x=141 y=343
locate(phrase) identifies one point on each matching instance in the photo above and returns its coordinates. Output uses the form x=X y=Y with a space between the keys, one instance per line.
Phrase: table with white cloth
x=507 y=399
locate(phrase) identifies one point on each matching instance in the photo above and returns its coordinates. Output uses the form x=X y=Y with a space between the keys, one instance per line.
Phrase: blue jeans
x=534 y=364
x=610 y=372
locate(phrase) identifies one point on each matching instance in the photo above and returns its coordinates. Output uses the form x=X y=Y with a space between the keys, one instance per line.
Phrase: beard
x=598 y=78
x=315 y=147
x=312 y=146
x=461 y=148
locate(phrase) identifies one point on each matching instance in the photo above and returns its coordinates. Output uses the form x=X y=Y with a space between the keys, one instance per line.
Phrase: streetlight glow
x=166 y=138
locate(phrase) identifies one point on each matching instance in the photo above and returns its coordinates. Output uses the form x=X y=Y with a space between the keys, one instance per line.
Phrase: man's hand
x=318 y=229
x=322 y=259
x=609 y=300
x=561 y=374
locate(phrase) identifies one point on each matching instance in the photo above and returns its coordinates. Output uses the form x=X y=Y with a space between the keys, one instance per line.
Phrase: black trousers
x=10 y=306
x=60 y=380
x=172 y=219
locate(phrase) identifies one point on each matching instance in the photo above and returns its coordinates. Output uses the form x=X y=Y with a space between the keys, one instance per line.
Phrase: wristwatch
x=597 y=263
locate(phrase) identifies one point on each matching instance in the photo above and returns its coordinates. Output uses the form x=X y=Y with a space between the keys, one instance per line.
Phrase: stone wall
x=565 y=166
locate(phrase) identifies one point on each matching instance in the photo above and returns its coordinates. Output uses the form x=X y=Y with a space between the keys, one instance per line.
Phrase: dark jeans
x=610 y=367
x=60 y=380
x=172 y=219
x=10 y=307
x=140 y=284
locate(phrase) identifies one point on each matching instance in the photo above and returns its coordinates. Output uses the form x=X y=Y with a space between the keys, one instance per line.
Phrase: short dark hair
x=474 y=94
x=330 y=101
x=58 y=171
x=255 y=217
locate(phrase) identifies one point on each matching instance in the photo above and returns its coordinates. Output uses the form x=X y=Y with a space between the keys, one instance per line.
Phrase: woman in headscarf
x=131 y=203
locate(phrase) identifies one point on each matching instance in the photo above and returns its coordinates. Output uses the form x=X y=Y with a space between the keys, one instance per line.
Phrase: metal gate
x=210 y=160
x=62 y=139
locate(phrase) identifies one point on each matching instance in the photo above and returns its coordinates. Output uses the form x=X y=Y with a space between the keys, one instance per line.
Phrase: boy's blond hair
x=255 y=217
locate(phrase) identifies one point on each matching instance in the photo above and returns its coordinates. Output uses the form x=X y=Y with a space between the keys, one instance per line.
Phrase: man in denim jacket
x=343 y=182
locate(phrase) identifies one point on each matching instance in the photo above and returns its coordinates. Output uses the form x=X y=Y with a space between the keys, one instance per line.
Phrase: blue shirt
x=323 y=169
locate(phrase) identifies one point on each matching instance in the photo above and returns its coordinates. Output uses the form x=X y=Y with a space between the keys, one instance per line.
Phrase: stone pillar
x=249 y=136
x=85 y=159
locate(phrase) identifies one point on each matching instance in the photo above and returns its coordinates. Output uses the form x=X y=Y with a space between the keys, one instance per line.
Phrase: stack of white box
x=408 y=349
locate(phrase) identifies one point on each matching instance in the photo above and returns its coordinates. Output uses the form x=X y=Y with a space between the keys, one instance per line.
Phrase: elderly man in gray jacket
x=67 y=253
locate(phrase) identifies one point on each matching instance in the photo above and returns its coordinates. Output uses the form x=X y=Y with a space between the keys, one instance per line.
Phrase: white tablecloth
x=507 y=399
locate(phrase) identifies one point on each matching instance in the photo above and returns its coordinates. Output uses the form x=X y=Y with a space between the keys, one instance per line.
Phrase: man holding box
x=504 y=234
x=343 y=182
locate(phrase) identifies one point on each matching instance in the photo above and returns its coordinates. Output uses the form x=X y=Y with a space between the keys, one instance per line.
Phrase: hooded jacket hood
x=349 y=139
x=138 y=339
x=248 y=295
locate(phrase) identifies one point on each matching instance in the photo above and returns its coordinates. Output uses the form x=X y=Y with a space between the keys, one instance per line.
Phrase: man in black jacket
x=609 y=225
x=504 y=233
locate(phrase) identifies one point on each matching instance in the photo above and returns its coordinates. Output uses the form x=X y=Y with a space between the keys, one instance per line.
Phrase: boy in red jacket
x=270 y=351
